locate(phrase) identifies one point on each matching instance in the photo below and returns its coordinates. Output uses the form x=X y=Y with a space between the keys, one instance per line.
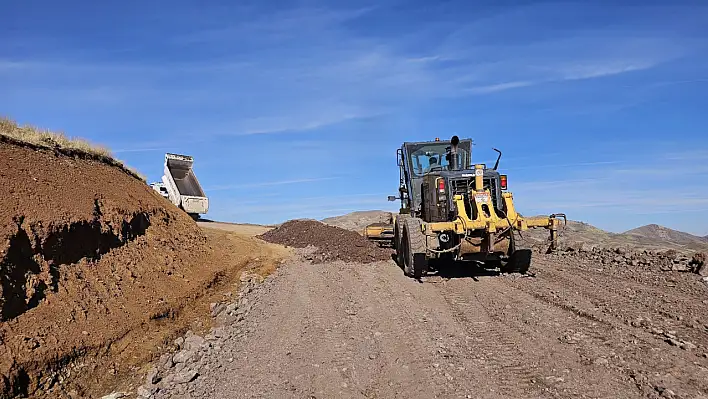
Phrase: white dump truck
x=183 y=188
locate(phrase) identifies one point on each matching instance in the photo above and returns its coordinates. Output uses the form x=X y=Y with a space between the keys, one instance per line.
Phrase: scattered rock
x=665 y=392
x=185 y=376
x=194 y=342
x=216 y=309
x=115 y=395
x=617 y=257
x=166 y=361
x=144 y=392
x=183 y=356
x=152 y=376
x=601 y=361
x=688 y=345
x=699 y=263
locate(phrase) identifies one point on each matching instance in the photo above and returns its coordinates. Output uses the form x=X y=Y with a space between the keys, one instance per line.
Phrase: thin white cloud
x=500 y=87
x=687 y=155
x=269 y=183
x=145 y=149
x=603 y=68
x=307 y=206
x=565 y=165
x=311 y=120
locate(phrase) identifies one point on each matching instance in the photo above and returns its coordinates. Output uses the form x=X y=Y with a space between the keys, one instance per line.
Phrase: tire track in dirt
x=636 y=309
x=633 y=304
x=576 y=359
x=366 y=331
x=635 y=351
x=512 y=376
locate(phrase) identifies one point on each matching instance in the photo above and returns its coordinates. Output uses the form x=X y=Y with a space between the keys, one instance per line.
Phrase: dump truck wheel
x=397 y=242
x=416 y=259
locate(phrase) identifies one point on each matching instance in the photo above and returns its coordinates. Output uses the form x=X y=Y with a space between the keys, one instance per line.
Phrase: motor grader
x=452 y=210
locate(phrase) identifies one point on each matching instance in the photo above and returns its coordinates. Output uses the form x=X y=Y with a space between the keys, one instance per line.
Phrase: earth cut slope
x=96 y=269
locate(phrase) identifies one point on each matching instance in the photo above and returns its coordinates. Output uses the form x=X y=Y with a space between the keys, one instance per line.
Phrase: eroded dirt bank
x=97 y=272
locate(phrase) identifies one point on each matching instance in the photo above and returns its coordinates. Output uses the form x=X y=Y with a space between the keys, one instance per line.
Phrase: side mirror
x=391 y=197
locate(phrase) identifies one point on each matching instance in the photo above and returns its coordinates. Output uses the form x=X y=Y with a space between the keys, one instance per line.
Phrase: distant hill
x=656 y=232
x=357 y=221
x=576 y=233
x=651 y=236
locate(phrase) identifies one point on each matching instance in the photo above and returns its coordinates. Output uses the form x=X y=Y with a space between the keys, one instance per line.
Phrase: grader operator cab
x=454 y=210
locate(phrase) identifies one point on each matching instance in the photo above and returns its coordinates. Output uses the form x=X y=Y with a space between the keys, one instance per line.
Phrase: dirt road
x=243 y=229
x=366 y=331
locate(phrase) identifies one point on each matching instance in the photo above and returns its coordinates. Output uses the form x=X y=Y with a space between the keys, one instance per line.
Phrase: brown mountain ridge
x=657 y=232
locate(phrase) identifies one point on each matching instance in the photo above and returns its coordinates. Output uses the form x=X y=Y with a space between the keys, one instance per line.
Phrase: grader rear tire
x=519 y=260
x=415 y=257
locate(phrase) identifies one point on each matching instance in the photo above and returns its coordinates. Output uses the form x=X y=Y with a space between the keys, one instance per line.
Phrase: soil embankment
x=97 y=272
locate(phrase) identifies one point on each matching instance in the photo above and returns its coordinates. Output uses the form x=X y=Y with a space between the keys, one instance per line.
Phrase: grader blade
x=381 y=233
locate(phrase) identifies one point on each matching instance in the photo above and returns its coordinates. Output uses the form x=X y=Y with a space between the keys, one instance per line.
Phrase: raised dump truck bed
x=182 y=185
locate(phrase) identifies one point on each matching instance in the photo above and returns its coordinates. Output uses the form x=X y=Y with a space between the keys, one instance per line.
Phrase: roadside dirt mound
x=95 y=267
x=333 y=243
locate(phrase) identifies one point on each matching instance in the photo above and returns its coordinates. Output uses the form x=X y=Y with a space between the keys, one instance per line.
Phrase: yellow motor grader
x=454 y=210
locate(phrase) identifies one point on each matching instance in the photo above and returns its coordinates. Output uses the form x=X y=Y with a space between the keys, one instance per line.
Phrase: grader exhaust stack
x=456 y=211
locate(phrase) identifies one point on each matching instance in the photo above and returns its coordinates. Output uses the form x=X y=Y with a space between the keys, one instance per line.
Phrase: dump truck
x=183 y=188
x=453 y=210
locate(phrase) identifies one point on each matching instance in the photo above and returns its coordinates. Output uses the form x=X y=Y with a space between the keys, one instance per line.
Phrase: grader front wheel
x=415 y=262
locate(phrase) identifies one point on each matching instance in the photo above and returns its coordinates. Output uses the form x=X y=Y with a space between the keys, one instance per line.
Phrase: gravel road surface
x=366 y=331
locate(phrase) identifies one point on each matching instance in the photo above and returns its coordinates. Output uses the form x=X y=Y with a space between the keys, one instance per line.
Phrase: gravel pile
x=668 y=260
x=332 y=243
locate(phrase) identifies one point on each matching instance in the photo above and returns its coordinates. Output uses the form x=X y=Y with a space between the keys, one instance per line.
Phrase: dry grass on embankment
x=37 y=138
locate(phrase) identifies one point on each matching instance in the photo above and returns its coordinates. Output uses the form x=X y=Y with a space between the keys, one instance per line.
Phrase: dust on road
x=364 y=330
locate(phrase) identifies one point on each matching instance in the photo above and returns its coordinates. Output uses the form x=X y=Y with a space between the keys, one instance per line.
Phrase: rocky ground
x=583 y=324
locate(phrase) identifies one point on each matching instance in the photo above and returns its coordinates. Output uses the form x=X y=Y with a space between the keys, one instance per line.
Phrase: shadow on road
x=459 y=269
x=462 y=270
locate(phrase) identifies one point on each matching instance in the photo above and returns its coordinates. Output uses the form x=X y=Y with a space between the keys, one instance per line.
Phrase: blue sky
x=296 y=108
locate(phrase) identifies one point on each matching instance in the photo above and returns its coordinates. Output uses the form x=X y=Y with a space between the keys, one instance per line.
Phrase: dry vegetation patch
x=37 y=138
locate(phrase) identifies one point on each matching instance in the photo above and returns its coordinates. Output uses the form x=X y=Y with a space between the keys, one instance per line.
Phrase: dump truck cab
x=453 y=209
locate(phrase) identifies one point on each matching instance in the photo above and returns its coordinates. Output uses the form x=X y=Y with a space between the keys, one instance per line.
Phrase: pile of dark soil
x=332 y=242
